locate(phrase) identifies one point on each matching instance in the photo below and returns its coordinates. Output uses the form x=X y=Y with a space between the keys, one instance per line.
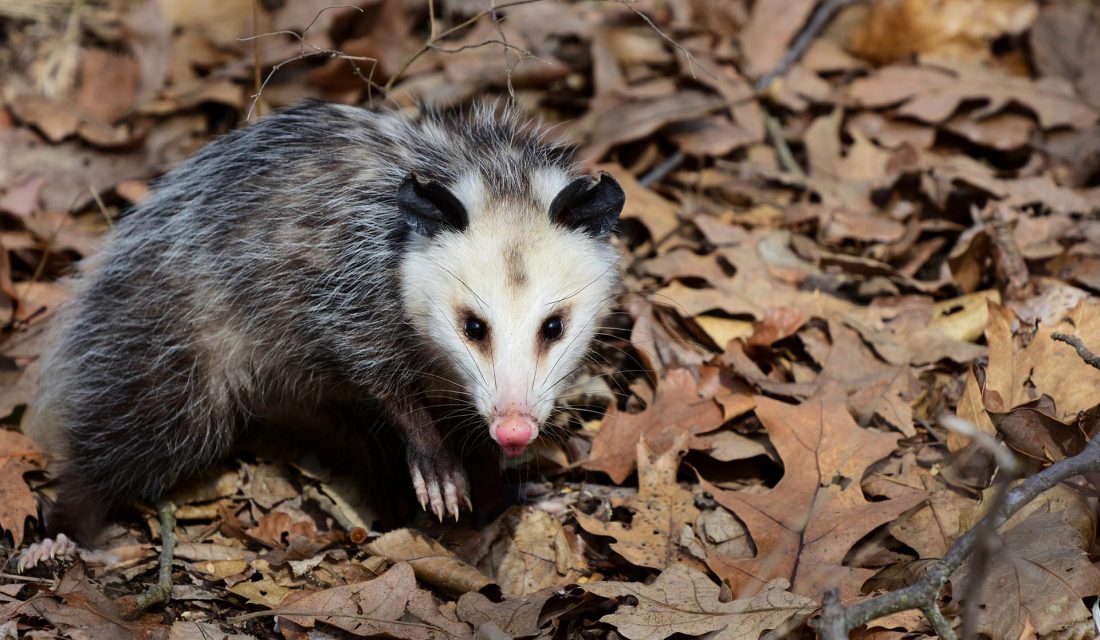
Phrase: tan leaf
x=643 y=204
x=364 y=608
x=805 y=526
x=1039 y=576
x=531 y=551
x=677 y=408
x=518 y=617
x=684 y=600
x=1016 y=375
x=18 y=455
x=432 y=562
x=661 y=509
x=771 y=27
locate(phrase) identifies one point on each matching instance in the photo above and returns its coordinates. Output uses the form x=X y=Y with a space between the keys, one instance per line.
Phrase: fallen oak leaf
x=662 y=508
x=1039 y=577
x=677 y=407
x=18 y=455
x=684 y=600
x=804 y=527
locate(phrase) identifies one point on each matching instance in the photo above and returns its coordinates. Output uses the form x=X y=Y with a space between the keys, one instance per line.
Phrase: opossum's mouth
x=513 y=432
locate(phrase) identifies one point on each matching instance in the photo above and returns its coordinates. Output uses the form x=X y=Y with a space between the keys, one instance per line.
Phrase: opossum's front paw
x=440 y=483
x=60 y=547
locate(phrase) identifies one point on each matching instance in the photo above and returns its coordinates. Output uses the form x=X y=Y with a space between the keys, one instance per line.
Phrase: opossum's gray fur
x=260 y=273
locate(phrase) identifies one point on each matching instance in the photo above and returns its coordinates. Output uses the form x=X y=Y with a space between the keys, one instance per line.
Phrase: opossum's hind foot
x=440 y=484
x=61 y=547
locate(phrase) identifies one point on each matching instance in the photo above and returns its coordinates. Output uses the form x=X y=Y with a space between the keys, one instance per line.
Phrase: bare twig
x=667 y=166
x=309 y=50
x=837 y=620
x=786 y=157
x=161 y=592
x=434 y=37
x=820 y=18
x=256 y=49
x=692 y=60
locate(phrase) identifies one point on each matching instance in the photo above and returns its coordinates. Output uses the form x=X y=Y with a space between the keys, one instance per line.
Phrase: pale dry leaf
x=661 y=509
x=364 y=608
x=677 y=408
x=1040 y=577
x=684 y=600
x=532 y=551
x=805 y=526
x=432 y=562
x=518 y=617
x=771 y=27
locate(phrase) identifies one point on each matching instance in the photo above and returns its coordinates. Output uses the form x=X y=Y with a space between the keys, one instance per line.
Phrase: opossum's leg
x=133 y=606
x=437 y=474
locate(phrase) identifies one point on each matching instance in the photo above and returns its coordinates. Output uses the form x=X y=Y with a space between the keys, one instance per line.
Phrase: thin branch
x=786 y=156
x=836 y=620
x=667 y=166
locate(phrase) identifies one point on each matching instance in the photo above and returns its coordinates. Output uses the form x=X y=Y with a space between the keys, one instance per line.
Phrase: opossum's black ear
x=592 y=204
x=429 y=207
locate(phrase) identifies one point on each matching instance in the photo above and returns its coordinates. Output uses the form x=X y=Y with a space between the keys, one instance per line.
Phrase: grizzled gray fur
x=260 y=280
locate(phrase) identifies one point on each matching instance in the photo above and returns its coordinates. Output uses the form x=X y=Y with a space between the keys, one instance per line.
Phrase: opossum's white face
x=512 y=298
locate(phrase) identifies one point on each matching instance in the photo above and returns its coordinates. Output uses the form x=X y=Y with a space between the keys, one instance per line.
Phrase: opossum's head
x=510 y=290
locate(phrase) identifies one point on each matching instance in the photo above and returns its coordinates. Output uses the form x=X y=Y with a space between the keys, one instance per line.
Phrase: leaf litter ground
x=889 y=230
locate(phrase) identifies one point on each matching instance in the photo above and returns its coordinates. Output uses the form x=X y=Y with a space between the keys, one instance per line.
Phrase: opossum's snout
x=513 y=431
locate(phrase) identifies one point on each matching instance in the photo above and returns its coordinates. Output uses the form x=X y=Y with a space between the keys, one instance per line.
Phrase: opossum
x=330 y=260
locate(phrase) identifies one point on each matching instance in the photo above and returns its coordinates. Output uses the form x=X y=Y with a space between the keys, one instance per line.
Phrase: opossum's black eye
x=475 y=329
x=552 y=328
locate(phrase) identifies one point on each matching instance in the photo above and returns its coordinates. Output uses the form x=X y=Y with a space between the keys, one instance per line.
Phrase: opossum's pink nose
x=513 y=432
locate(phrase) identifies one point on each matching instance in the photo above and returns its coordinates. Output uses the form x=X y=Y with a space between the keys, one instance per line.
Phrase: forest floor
x=851 y=230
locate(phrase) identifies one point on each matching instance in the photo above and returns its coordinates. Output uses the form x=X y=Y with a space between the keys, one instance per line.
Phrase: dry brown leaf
x=1017 y=376
x=1064 y=42
x=375 y=607
x=661 y=510
x=1038 y=577
x=684 y=600
x=1033 y=431
x=634 y=119
x=517 y=617
x=530 y=551
x=677 y=408
x=433 y=562
x=81 y=610
x=644 y=205
x=18 y=455
x=771 y=27
x=108 y=85
x=54 y=119
x=264 y=592
x=805 y=526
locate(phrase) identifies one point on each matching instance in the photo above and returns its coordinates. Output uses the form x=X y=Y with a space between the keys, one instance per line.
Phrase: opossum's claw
x=440 y=489
x=420 y=488
x=50 y=548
